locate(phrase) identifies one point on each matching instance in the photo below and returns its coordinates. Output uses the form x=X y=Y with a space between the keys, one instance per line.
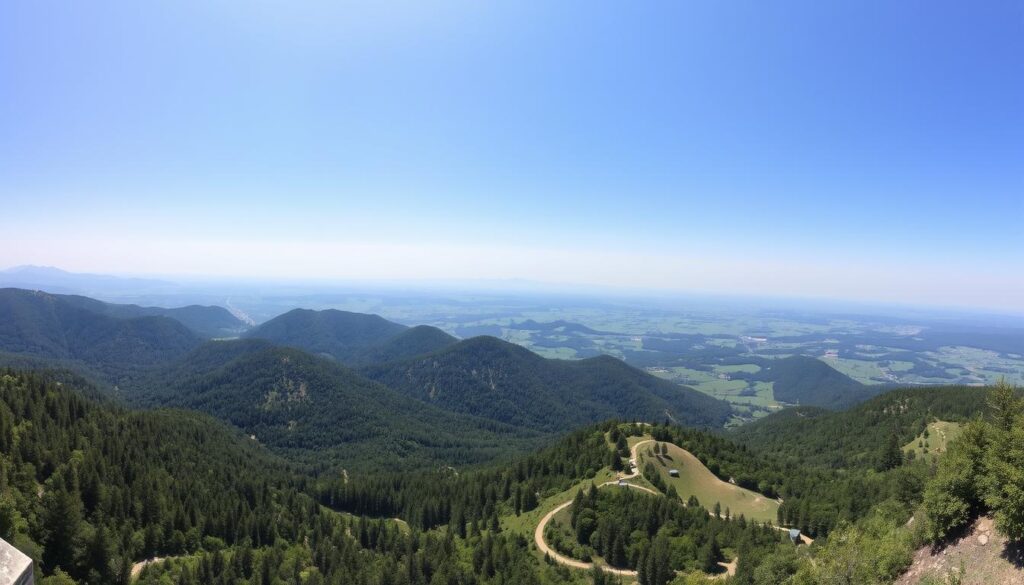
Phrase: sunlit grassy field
x=936 y=441
x=697 y=480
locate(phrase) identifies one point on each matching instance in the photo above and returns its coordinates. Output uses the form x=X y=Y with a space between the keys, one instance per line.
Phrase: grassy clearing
x=863 y=371
x=935 y=440
x=722 y=387
x=900 y=366
x=697 y=480
x=527 y=521
x=746 y=368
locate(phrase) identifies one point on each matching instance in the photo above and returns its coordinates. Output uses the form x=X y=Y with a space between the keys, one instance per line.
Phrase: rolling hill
x=337 y=334
x=205 y=321
x=45 y=326
x=87 y=457
x=415 y=341
x=317 y=411
x=809 y=381
x=352 y=339
x=501 y=381
x=855 y=437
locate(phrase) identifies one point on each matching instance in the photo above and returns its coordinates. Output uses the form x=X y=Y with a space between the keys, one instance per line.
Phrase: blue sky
x=868 y=150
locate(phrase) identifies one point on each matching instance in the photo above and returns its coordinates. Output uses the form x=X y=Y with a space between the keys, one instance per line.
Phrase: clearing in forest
x=697 y=480
x=934 y=440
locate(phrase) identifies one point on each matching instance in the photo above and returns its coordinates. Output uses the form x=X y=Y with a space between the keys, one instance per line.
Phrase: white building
x=15 y=566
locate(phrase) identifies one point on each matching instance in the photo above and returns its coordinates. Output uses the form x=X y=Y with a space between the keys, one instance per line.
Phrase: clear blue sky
x=855 y=149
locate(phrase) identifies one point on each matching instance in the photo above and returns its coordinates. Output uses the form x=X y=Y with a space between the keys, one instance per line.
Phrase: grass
x=746 y=368
x=722 y=387
x=527 y=521
x=737 y=392
x=697 y=480
x=900 y=366
x=863 y=371
x=940 y=433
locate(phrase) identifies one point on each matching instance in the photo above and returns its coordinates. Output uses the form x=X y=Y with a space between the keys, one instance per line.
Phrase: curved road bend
x=538 y=533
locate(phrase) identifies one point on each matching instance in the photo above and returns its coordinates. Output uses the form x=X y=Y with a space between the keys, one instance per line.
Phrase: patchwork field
x=758 y=396
x=694 y=341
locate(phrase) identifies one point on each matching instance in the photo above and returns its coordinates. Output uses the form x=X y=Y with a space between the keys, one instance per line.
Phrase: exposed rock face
x=15 y=566
x=982 y=554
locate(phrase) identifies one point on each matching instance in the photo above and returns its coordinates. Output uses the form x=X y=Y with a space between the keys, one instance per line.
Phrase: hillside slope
x=340 y=335
x=72 y=464
x=46 y=326
x=501 y=381
x=855 y=436
x=809 y=381
x=320 y=412
x=984 y=555
x=205 y=321
x=415 y=341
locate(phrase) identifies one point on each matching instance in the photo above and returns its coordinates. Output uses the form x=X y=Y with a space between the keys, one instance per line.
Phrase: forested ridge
x=809 y=381
x=495 y=379
x=87 y=489
x=460 y=441
x=341 y=335
x=321 y=413
x=854 y=438
x=40 y=325
x=205 y=321
x=90 y=488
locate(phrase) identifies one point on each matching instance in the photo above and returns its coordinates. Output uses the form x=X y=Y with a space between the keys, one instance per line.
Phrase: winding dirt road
x=538 y=533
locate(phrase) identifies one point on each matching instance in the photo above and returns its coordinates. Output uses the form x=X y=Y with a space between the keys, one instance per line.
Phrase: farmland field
x=715 y=346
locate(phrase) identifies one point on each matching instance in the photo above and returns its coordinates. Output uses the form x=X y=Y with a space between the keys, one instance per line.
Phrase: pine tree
x=615 y=462
x=891 y=455
x=100 y=555
x=708 y=556
x=576 y=508
x=659 y=562
x=1004 y=485
x=1003 y=404
x=62 y=521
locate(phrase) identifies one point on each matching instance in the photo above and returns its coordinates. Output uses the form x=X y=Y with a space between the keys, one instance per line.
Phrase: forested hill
x=90 y=489
x=809 y=381
x=205 y=321
x=856 y=437
x=317 y=411
x=415 y=341
x=46 y=326
x=347 y=337
x=501 y=381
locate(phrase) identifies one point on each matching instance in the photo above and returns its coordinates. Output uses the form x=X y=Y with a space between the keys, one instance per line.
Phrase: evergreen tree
x=62 y=521
x=891 y=456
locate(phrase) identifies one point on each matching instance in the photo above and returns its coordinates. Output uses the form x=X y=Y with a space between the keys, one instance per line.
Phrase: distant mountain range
x=61 y=281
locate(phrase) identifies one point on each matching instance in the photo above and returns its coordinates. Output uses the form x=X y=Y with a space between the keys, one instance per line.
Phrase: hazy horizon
x=858 y=151
x=514 y=288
